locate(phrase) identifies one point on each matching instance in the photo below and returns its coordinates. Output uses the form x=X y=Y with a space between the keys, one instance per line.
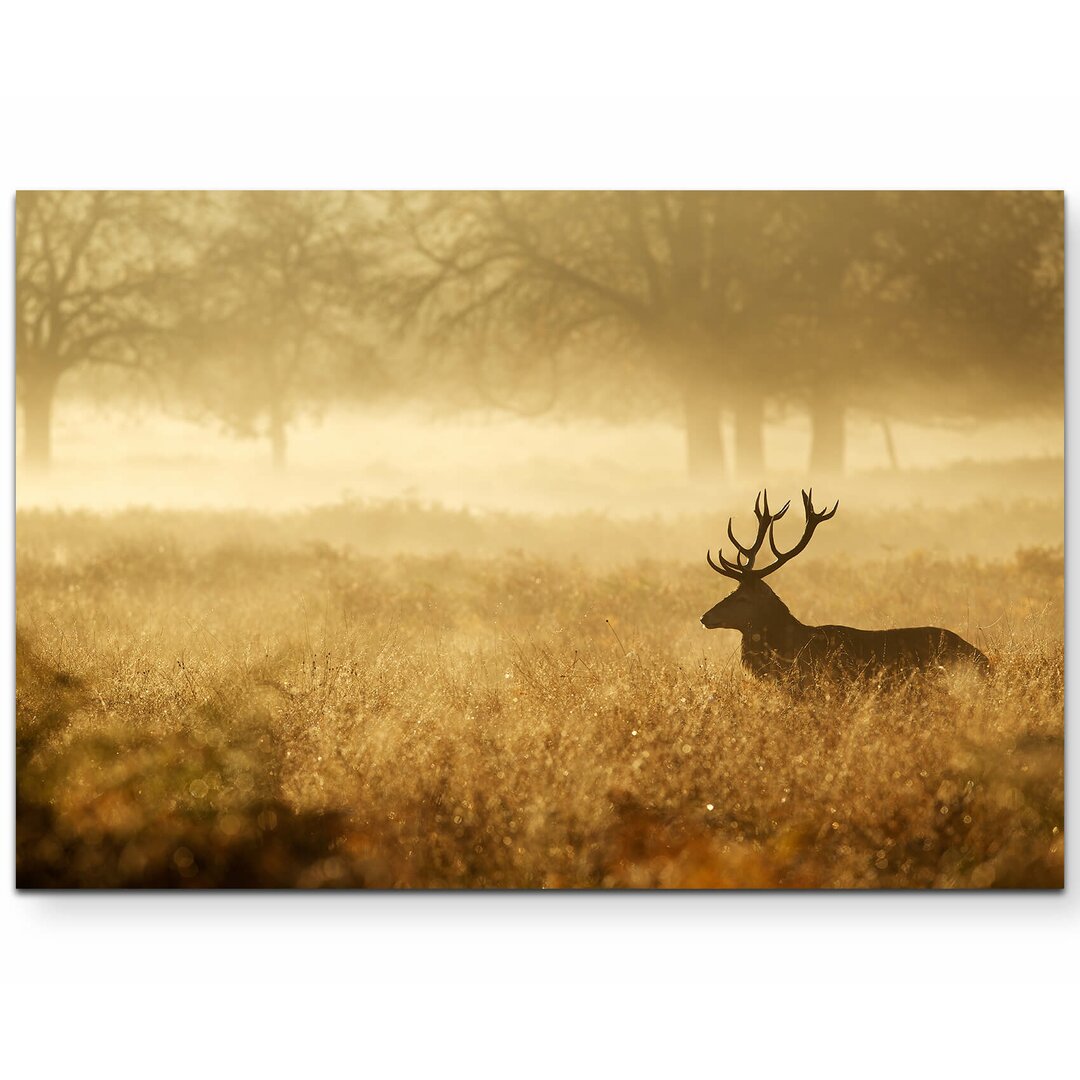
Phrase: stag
x=775 y=643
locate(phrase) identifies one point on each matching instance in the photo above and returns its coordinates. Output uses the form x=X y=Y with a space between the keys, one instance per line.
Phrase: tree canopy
x=728 y=306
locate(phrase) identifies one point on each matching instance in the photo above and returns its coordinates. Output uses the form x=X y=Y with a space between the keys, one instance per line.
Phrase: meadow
x=400 y=696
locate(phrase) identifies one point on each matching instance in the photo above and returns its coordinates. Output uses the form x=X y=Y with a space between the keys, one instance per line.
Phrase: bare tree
x=92 y=274
x=273 y=326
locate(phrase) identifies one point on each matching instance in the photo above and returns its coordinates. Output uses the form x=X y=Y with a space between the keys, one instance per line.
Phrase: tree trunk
x=890 y=446
x=704 y=444
x=827 y=438
x=38 y=397
x=278 y=440
x=750 y=436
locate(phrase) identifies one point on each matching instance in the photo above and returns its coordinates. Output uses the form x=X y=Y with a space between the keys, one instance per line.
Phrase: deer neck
x=772 y=625
x=775 y=638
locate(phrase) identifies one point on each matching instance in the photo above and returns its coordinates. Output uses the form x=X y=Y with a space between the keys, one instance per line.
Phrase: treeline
x=248 y=309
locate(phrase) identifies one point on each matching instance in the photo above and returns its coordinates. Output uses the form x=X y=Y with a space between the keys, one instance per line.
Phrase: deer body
x=775 y=642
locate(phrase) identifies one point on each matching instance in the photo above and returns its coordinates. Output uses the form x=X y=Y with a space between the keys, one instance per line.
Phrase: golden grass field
x=342 y=699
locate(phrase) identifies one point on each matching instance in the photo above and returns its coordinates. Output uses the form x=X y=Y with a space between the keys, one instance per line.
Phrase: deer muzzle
x=714 y=619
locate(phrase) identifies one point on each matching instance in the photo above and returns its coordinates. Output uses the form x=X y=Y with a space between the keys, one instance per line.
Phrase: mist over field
x=360 y=537
x=110 y=458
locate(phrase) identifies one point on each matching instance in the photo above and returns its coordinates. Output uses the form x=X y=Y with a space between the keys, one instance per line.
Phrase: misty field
x=404 y=697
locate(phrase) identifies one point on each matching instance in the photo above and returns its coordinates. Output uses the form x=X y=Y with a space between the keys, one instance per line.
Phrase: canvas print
x=539 y=539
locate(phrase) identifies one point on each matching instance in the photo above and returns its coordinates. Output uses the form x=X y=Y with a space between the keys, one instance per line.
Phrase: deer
x=775 y=643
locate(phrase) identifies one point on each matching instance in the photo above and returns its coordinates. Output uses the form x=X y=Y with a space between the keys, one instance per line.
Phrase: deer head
x=753 y=603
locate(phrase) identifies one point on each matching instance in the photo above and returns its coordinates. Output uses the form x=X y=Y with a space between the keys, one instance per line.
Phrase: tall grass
x=245 y=701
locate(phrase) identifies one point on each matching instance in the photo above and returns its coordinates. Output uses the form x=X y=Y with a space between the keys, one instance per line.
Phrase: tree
x=924 y=305
x=92 y=274
x=742 y=303
x=273 y=325
x=992 y=307
x=671 y=281
x=837 y=308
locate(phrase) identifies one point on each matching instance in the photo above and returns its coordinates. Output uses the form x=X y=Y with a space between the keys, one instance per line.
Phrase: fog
x=109 y=459
x=361 y=539
x=626 y=355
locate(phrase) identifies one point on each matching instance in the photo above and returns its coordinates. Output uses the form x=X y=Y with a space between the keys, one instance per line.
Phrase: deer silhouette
x=775 y=643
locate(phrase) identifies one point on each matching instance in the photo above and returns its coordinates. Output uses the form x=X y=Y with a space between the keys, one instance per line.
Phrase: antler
x=813 y=519
x=765 y=518
x=739 y=570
